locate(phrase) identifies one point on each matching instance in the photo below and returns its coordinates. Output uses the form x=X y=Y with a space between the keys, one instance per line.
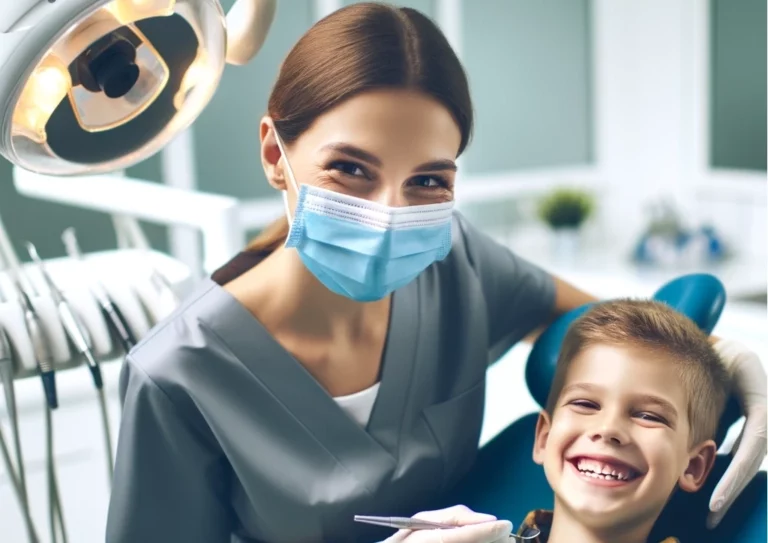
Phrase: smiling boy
x=630 y=418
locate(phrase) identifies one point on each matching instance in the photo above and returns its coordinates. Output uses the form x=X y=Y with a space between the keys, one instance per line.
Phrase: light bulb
x=129 y=11
x=46 y=87
x=51 y=85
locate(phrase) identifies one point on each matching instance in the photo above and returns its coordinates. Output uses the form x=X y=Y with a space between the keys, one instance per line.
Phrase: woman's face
x=393 y=147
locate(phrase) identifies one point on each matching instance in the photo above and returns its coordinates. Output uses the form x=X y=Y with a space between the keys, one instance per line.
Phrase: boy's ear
x=700 y=463
x=543 y=424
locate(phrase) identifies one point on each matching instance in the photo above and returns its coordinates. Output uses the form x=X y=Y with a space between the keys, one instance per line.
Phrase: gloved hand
x=749 y=381
x=471 y=528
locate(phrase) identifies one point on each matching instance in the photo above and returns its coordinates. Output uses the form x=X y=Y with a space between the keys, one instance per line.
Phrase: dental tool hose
x=16 y=475
x=78 y=335
x=44 y=361
x=54 y=497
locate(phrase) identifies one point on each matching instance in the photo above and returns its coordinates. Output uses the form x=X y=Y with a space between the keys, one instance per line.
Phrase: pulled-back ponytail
x=270 y=239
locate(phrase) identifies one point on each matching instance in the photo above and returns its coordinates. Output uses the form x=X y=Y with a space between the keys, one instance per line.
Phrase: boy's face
x=617 y=444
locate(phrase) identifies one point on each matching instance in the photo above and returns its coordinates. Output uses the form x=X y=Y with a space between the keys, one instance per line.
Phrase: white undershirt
x=360 y=404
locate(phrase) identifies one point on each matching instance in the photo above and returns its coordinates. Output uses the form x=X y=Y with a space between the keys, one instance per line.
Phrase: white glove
x=749 y=382
x=471 y=528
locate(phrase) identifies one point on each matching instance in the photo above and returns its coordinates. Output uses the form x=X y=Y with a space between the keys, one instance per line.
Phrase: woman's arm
x=567 y=297
x=169 y=483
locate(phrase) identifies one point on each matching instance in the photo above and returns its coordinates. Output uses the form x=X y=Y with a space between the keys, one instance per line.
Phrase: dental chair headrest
x=699 y=296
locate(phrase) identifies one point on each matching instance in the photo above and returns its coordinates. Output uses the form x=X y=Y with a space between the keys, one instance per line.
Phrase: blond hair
x=655 y=326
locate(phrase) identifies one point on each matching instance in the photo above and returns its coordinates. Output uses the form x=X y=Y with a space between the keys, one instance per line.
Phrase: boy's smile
x=604 y=470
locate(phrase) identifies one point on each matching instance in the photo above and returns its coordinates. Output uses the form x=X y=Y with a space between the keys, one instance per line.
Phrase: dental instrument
x=73 y=327
x=42 y=357
x=78 y=335
x=408 y=523
x=109 y=309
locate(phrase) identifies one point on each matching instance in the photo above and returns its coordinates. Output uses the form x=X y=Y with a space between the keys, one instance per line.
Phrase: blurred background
x=619 y=143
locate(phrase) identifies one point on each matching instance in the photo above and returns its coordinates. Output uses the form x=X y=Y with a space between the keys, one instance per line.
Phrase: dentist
x=337 y=366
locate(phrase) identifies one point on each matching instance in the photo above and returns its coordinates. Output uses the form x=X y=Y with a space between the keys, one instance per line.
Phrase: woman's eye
x=429 y=181
x=348 y=168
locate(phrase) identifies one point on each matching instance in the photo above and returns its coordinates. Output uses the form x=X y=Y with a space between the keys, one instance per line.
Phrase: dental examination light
x=95 y=86
x=89 y=88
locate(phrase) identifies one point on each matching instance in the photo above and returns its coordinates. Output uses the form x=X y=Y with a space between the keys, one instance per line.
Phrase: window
x=738 y=84
x=529 y=72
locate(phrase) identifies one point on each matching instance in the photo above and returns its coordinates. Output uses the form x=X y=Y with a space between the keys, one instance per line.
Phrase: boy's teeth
x=602 y=470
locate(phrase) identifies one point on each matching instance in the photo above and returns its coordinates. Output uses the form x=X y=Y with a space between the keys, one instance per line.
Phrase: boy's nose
x=609 y=429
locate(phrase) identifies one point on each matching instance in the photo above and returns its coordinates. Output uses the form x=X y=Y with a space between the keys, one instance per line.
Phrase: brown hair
x=362 y=47
x=656 y=326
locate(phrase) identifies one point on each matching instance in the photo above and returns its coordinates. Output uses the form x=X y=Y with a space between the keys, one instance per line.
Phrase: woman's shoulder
x=184 y=347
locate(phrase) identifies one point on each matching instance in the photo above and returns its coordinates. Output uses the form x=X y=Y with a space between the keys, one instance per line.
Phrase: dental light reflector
x=119 y=88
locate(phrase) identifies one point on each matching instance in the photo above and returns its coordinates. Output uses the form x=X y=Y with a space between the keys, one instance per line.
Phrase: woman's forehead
x=388 y=123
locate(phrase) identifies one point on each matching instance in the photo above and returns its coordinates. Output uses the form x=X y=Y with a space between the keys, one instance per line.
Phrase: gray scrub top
x=225 y=437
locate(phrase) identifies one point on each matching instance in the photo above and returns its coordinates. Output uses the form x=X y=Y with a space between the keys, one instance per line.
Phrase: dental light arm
x=247 y=24
x=217 y=217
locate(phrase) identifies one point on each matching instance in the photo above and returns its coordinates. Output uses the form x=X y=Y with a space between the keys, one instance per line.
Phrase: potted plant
x=565 y=210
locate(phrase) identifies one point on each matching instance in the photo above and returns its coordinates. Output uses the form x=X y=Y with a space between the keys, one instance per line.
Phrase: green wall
x=227 y=133
x=529 y=68
x=738 y=84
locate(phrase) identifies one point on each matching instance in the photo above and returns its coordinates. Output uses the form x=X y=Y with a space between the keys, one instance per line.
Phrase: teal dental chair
x=507 y=483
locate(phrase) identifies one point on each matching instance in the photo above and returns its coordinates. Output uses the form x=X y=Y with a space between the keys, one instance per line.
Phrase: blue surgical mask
x=361 y=249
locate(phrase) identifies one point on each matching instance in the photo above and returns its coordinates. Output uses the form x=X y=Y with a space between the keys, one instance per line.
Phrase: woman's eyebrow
x=443 y=164
x=370 y=158
x=353 y=151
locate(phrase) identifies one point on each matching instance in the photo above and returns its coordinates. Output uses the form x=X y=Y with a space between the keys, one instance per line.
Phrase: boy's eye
x=650 y=417
x=584 y=404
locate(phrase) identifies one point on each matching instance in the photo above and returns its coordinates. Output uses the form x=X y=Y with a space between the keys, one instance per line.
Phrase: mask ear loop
x=291 y=177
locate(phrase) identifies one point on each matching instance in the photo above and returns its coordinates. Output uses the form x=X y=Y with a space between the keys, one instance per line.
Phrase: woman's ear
x=700 y=462
x=542 y=434
x=271 y=154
